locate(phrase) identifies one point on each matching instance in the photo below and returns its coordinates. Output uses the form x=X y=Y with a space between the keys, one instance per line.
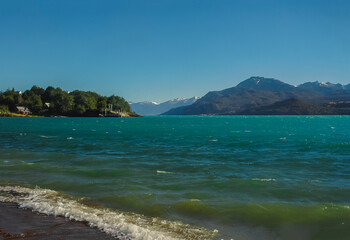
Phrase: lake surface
x=200 y=177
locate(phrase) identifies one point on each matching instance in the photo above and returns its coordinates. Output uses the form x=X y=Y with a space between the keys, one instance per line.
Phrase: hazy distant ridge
x=148 y=108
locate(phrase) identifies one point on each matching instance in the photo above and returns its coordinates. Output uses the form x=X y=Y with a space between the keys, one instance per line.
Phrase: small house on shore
x=23 y=110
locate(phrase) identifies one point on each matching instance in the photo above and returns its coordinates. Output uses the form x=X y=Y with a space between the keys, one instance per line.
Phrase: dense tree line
x=55 y=101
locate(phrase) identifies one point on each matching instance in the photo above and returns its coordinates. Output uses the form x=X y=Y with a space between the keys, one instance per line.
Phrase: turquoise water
x=253 y=177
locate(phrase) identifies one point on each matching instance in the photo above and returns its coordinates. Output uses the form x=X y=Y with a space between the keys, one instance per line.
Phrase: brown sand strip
x=16 y=223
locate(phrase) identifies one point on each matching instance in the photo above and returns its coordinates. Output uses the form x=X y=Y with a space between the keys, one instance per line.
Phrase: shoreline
x=18 y=223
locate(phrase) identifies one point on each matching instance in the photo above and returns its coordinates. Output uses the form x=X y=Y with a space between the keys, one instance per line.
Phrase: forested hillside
x=55 y=101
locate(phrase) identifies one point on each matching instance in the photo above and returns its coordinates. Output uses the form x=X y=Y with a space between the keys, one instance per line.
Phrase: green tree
x=4 y=110
x=84 y=101
x=11 y=99
x=49 y=95
x=33 y=101
x=38 y=90
x=102 y=103
x=63 y=103
x=119 y=103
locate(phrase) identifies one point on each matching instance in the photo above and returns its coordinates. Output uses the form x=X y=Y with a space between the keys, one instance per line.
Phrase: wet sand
x=16 y=223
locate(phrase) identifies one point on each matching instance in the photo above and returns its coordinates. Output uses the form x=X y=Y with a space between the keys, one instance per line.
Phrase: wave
x=264 y=179
x=319 y=220
x=113 y=222
x=163 y=172
x=285 y=221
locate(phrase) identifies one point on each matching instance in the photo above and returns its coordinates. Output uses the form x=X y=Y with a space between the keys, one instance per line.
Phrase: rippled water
x=278 y=177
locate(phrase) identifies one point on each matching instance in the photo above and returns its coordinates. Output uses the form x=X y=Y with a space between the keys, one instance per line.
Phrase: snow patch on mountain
x=149 y=108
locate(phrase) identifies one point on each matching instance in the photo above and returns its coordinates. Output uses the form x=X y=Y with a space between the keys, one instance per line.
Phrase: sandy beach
x=16 y=223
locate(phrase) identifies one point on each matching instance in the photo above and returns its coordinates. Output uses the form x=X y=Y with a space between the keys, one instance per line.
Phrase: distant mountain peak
x=147 y=108
x=146 y=103
x=321 y=84
x=322 y=87
x=265 y=84
x=258 y=78
x=176 y=99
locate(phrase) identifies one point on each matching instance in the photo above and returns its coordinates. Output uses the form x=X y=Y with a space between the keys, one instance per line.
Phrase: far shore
x=10 y=114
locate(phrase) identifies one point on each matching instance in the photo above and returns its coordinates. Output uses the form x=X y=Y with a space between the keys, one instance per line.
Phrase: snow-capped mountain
x=148 y=108
x=322 y=87
x=257 y=95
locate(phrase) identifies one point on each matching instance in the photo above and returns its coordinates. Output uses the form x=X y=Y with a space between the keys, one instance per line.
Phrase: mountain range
x=259 y=95
x=147 y=108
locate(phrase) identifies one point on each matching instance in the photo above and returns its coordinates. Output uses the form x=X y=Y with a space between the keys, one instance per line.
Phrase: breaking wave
x=116 y=223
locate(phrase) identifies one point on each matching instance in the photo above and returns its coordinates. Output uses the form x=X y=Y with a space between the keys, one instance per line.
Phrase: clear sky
x=158 y=50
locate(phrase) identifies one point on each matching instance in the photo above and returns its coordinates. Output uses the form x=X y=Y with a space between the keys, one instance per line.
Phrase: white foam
x=264 y=179
x=69 y=138
x=134 y=226
x=163 y=172
x=314 y=181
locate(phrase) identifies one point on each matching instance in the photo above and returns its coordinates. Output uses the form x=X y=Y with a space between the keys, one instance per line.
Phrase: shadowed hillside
x=257 y=92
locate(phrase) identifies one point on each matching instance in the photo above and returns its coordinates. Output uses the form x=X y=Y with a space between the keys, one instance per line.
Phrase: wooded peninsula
x=57 y=102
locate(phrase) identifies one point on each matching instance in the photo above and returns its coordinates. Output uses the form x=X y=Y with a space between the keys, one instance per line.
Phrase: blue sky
x=158 y=50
